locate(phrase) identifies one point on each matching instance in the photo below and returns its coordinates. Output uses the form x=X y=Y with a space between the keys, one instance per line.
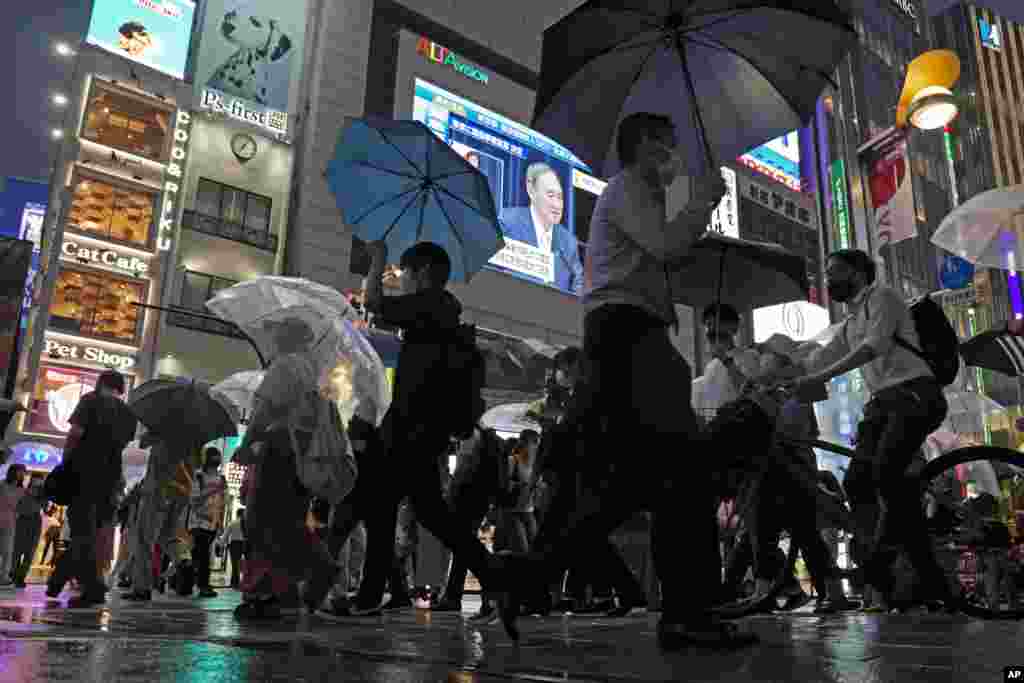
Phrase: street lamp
x=57 y=133
x=63 y=49
x=926 y=101
x=933 y=108
x=60 y=99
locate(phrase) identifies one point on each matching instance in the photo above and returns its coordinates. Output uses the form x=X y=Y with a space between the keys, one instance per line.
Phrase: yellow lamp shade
x=937 y=68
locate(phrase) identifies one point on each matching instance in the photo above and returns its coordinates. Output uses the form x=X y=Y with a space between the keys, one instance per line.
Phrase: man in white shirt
x=907 y=405
x=641 y=386
x=730 y=367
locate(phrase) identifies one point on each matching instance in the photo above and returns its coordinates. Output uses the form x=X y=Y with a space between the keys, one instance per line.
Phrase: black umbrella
x=184 y=408
x=737 y=73
x=998 y=350
x=739 y=272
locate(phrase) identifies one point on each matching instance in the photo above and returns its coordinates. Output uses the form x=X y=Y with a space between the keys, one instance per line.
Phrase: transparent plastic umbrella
x=987 y=230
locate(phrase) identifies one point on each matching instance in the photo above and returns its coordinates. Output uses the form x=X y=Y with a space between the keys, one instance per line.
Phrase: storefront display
x=104 y=210
x=97 y=304
x=58 y=390
x=127 y=122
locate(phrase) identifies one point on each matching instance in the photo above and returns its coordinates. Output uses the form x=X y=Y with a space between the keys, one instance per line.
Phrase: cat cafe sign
x=73 y=250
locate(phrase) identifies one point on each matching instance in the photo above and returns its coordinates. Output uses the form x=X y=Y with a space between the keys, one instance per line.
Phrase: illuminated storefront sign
x=725 y=218
x=56 y=395
x=242 y=110
x=798 y=320
x=991 y=36
x=172 y=181
x=839 y=203
x=442 y=55
x=104 y=256
x=65 y=350
x=37 y=456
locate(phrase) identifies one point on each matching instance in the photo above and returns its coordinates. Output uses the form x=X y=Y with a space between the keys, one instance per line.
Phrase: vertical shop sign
x=884 y=160
x=173 y=180
x=840 y=206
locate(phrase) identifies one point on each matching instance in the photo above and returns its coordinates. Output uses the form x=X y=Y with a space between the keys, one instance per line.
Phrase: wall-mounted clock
x=244 y=147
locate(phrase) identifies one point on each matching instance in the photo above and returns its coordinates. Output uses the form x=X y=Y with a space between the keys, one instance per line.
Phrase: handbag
x=61 y=484
x=326 y=467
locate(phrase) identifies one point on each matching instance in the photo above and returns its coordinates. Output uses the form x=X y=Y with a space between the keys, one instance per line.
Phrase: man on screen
x=539 y=225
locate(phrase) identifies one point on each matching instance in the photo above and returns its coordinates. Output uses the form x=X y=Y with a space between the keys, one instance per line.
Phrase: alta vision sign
x=442 y=55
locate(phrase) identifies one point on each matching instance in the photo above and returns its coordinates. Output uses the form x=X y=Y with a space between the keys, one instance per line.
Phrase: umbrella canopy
x=967 y=412
x=998 y=350
x=397 y=181
x=987 y=230
x=183 y=407
x=733 y=75
x=240 y=388
x=510 y=417
x=739 y=272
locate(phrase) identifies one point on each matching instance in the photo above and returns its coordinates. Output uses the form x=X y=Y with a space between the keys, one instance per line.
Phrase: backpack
x=940 y=347
x=467 y=373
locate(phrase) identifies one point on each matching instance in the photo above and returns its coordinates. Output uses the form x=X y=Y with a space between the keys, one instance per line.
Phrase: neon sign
x=442 y=55
x=172 y=180
x=106 y=257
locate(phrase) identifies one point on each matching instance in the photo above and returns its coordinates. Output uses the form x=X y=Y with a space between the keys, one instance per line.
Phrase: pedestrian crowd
x=628 y=448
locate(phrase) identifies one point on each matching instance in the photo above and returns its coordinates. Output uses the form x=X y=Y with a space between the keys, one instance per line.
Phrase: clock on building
x=244 y=147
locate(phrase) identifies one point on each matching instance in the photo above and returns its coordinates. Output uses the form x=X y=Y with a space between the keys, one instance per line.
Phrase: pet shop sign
x=274 y=121
x=173 y=179
x=90 y=354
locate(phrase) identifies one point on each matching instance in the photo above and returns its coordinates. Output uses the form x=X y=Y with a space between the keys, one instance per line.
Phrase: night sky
x=29 y=28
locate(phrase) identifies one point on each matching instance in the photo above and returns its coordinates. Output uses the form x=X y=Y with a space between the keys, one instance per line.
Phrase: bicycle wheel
x=975 y=557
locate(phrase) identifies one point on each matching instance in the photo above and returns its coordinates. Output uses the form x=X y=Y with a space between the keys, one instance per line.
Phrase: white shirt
x=544 y=235
x=877 y=316
x=630 y=243
x=716 y=387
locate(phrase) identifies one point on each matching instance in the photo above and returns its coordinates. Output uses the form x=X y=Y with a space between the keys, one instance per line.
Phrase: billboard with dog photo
x=250 y=60
x=156 y=33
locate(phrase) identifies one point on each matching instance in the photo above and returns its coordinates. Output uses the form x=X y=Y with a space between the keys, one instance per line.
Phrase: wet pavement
x=176 y=639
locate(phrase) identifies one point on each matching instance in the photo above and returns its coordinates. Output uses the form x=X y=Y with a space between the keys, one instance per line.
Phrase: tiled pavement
x=174 y=639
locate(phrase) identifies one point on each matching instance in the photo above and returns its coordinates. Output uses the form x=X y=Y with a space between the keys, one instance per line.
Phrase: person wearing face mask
x=206 y=517
x=629 y=309
x=907 y=404
x=730 y=367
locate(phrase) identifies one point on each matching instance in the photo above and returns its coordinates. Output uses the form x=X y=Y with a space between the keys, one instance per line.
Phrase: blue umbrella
x=397 y=181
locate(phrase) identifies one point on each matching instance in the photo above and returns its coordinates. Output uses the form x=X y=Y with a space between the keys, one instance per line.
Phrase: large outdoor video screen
x=157 y=33
x=544 y=193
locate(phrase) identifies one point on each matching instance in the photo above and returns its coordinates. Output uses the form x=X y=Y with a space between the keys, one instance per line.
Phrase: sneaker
x=345 y=609
x=258 y=609
x=485 y=617
x=626 y=607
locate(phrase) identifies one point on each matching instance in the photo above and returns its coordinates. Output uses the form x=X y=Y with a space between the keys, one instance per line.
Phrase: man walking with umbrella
x=626 y=343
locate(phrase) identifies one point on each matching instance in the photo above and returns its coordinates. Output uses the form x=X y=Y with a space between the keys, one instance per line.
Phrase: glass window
x=112 y=212
x=127 y=123
x=97 y=305
x=232 y=205
x=198 y=288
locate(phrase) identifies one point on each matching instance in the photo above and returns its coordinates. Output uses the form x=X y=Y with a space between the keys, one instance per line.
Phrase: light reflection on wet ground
x=174 y=639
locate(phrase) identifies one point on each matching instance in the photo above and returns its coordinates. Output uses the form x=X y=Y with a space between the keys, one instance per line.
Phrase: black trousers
x=896 y=423
x=641 y=388
x=79 y=561
x=236 y=549
x=202 y=541
x=406 y=467
x=471 y=508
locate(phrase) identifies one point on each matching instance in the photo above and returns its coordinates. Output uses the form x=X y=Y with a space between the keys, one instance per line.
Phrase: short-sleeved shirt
x=108 y=426
x=877 y=316
x=428 y=320
x=717 y=386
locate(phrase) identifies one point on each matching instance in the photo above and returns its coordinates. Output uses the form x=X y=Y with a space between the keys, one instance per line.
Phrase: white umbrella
x=240 y=388
x=987 y=230
x=509 y=417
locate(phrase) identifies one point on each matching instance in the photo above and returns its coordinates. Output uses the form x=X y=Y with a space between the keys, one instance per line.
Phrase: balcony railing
x=202 y=324
x=219 y=227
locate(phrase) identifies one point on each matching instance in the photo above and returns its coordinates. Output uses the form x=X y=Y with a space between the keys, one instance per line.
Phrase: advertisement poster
x=250 y=60
x=887 y=170
x=155 y=33
x=15 y=258
x=533 y=180
x=778 y=159
x=57 y=393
